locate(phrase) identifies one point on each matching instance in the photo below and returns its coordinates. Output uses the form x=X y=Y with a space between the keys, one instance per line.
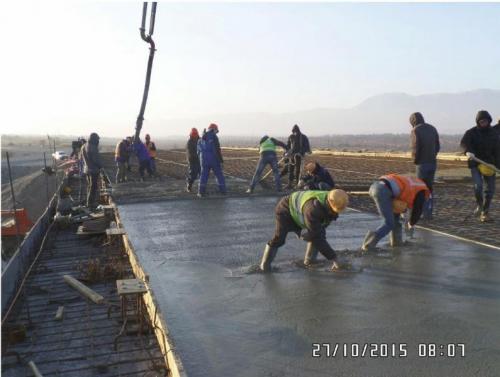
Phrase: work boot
x=341 y=264
x=479 y=208
x=485 y=218
x=396 y=236
x=249 y=190
x=189 y=187
x=311 y=255
x=267 y=258
x=370 y=241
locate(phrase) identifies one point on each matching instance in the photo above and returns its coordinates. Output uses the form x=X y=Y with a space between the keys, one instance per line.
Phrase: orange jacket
x=409 y=187
x=151 y=149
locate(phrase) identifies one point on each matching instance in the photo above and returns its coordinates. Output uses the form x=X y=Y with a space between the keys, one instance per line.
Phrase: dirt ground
x=453 y=194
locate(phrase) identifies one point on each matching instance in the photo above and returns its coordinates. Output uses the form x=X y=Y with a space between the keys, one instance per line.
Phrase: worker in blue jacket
x=143 y=157
x=211 y=159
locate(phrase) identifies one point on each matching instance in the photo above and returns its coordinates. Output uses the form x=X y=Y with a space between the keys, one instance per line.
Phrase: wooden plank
x=83 y=289
x=115 y=231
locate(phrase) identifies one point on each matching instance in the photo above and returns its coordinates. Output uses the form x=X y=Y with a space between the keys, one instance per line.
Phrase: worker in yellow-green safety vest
x=267 y=151
x=308 y=214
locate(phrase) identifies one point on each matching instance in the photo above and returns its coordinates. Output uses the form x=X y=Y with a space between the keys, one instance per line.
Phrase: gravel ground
x=454 y=201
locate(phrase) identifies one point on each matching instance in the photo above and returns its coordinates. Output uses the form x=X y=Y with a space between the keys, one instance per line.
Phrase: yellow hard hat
x=399 y=206
x=67 y=189
x=338 y=200
x=486 y=170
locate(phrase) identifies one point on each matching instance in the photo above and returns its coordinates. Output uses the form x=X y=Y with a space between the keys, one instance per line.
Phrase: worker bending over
x=267 y=150
x=393 y=194
x=484 y=143
x=316 y=178
x=308 y=214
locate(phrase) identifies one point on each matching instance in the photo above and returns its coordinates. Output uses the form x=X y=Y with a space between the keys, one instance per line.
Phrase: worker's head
x=213 y=127
x=129 y=139
x=312 y=167
x=194 y=133
x=94 y=138
x=483 y=119
x=398 y=206
x=296 y=130
x=416 y=119
x=338 y=200
x=148 y=138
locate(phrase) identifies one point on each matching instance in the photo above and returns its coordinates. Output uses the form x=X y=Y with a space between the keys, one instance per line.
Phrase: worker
x=143 y=157
x=267 y=151
x=297 y=147
x=151 y=147
x=211 y=159
x=316 y=178
x=92 y=166
x=308 y=214
x=393 y=194
x=425 y=147
x=130 y=151
x=193 y=159
x=496 y=127
x=121 y=157
x=483 y=141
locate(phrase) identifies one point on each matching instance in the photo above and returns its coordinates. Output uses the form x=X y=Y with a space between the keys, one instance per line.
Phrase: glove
x=409 y=229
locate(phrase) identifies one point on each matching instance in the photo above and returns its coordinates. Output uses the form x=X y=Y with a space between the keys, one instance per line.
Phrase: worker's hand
x=409 y=229
x=470 y=155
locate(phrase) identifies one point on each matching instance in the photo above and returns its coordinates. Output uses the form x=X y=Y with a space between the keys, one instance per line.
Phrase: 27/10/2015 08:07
x=387 y=350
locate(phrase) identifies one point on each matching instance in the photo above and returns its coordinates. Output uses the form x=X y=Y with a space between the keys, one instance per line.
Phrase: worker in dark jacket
x=308 y=214
x=92 y=165
x=267 y=150
x=143 y=157
x=130 y=151
x=297 y=147
x=483 y=142
x=316 y=178
x=393 y=194
x=424 y=149
x=496 y=127
x=211 y=159
x=193 y=159
x=121 y=157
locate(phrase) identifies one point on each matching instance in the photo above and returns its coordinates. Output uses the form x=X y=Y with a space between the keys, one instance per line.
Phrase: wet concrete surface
x=228 y=323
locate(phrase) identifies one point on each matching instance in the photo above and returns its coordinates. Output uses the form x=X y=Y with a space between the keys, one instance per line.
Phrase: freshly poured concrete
x=439 y=290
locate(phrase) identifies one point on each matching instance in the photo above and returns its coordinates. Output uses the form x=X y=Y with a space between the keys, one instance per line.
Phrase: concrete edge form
x=158 y=323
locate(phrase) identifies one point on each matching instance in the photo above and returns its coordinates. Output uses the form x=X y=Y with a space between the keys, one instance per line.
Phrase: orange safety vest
x=149 y=146
x=409 y=187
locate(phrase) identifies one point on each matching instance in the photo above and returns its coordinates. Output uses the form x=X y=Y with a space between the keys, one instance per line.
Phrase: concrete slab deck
x=435 y=291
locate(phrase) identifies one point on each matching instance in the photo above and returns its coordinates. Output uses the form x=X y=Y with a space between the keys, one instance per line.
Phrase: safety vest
x=409 y=187
x=267 y=146
x=297 y=201
x=152 y=152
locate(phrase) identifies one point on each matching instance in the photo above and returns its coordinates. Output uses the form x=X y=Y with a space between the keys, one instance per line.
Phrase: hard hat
x=67 y=189
x=213 y=126
x=338 y=200
x=486 y=170
x=398 y=206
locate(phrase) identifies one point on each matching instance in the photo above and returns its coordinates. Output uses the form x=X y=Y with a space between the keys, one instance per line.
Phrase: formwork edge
x=167 y=346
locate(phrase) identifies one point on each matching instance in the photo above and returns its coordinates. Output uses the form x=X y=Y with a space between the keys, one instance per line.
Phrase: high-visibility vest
x=152 y=152
x=267 y=146
x=299 y=198
x=409 y=187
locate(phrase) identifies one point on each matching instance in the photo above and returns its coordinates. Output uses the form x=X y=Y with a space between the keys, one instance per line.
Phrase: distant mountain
x=451 y=113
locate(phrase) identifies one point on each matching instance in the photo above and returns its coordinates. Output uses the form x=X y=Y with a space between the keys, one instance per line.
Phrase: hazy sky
x=72 y=68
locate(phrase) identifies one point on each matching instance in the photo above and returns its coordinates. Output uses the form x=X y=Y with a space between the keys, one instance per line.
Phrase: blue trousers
x=267 y=158
x=208 y=164
x=382 y=197
x=489 y=191
x=426 y=173
x=152 y=164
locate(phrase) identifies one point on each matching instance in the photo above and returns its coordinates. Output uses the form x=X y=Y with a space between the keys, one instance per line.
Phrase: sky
x=76 y=67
